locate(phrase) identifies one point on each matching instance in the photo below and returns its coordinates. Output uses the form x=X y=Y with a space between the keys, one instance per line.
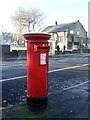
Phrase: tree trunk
x=33 y=27
x=29 y=27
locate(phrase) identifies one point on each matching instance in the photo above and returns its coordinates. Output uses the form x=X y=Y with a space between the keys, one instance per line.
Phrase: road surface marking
x=68 y=68
x=13 y=78
x=48 y=72
x=76 y=85
x=70 y=87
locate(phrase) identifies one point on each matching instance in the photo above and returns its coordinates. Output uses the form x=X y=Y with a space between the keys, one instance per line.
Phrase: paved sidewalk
x=70 y=103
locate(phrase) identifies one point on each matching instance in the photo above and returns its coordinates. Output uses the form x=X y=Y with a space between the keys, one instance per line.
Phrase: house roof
x=48 y=28
x=58 y=28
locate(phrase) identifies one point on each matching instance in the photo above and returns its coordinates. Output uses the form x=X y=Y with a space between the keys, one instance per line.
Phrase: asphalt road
x=64 y=72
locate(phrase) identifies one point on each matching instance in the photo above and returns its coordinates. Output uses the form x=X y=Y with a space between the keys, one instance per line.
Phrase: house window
x=71 y=31
x=61 y=39
x=89 y=40
x=72 y=38
x=78 y=32
x=76 y=43
x=55 y=36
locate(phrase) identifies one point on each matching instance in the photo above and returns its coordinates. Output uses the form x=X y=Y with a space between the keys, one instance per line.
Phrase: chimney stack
x=56 y=23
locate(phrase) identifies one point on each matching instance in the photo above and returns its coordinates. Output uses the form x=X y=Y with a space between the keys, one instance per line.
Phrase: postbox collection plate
x=42 y=58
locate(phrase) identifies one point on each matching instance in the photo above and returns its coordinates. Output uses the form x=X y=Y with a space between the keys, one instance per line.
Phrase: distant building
x=71 y=35
x=88 y=42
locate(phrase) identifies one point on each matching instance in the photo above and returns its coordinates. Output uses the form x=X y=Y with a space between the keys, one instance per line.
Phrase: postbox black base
x=37 y=104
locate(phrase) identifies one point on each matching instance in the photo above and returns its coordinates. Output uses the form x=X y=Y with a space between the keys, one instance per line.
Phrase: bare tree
x=28 y=19
x=37 y=18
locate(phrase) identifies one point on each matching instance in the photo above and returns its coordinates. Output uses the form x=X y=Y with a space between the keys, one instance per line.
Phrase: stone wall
x=5 y=52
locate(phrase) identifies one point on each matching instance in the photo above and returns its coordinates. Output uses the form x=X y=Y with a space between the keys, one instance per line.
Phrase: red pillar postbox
x=37 y=64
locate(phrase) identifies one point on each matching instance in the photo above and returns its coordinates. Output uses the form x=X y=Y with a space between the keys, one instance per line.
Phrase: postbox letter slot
x=43 y=47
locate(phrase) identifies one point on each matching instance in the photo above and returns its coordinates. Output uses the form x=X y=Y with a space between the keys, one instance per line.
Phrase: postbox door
x=38 y=70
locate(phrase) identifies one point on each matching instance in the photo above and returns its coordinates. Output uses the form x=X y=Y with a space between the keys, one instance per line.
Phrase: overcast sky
x=62 y=11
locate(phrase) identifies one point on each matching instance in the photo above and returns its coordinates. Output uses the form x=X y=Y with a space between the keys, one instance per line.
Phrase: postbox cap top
x=37 y=33
x=37 y=36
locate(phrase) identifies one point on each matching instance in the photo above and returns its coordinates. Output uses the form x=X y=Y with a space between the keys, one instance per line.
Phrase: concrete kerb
x=66 y=55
